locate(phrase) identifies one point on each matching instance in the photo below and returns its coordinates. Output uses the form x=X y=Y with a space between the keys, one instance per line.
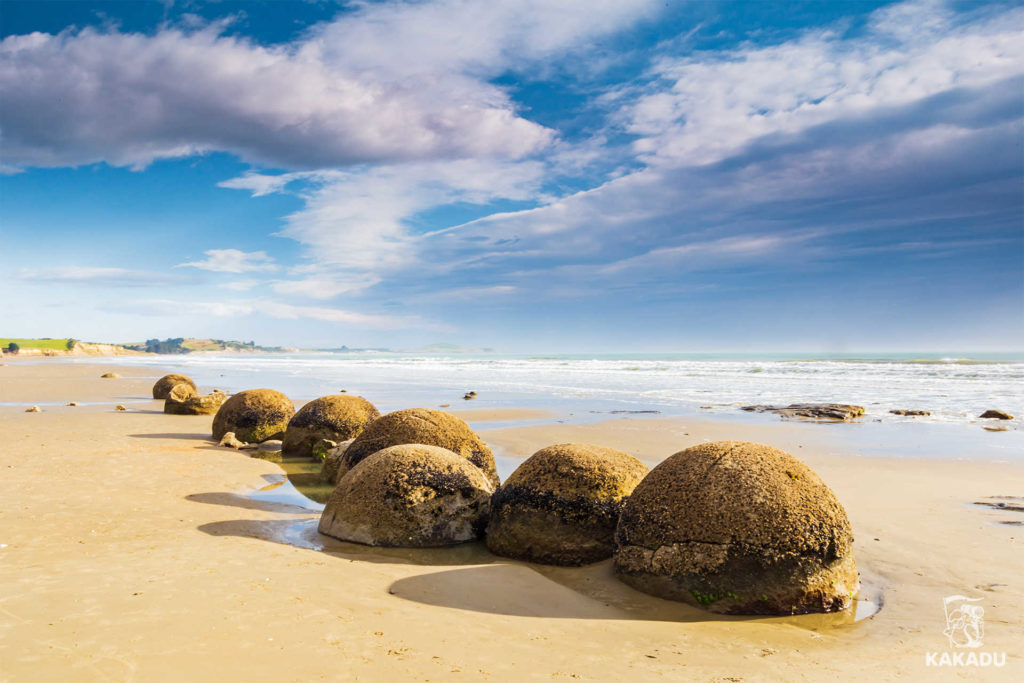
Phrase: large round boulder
x=738 y=528
x=423 y=426
x=410 y=495
x=337 y=418
x=163 y=386
x=562 y=504
x=254 y=416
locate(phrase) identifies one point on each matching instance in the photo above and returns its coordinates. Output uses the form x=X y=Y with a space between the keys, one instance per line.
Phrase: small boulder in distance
x=110 y=375
x=120 y=408
x=910 y=413
x=996 y=415
x=34 y=409
x=163 y=386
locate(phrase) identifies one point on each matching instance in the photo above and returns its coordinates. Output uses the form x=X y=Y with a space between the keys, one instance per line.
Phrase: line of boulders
x=733 y=527
x=730 y=526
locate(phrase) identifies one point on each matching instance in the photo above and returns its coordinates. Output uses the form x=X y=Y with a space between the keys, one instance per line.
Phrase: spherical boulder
x=562 y=504
x=163 y=386
x=254 y=416
x=422 y=426
x=411 y=495
x=738 y=528
x=338 y=418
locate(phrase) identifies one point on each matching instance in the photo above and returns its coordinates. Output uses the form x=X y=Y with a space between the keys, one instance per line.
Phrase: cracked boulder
x=183 y=400
x=255 y=416
x=737 y=528
x=336 y=418
x=163 y=386
x=562 y=504
x=420 y=426
x=410 y=496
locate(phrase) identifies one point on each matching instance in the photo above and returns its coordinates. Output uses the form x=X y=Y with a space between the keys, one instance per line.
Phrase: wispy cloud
x=271 y=309
x=233 y=261
x=100 y=277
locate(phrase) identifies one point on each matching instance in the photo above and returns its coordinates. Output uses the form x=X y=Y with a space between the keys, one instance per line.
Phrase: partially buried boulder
x=254 y=416
x=163 y=386
x=562 y=504
x=422 y=426
x=410 y=495
x=337 y=418
x=738 y=528
x=996 y=415
x=183 y=400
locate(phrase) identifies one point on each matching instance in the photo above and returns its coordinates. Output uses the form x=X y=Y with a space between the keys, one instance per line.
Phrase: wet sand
x=131 y=548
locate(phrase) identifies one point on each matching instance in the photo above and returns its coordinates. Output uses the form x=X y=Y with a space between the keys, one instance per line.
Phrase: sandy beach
x=131 y=549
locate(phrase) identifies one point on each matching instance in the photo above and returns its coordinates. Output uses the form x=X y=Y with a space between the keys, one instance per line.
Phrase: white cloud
x=356 y=225
x=233 y=261
x=384 y=82
x=324 y=285
x=278 y=310
x=103 y=277
x=706 y=107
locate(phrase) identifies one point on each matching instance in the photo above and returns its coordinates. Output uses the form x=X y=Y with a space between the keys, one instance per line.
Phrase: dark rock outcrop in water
x=996 y=415
x=737 y=528
x=910 y=413
x=336 y=418
x=411 y=496
x=422 y=426
x=163 y=386
x=562 y=504
x=817 y=411
x=255 y=416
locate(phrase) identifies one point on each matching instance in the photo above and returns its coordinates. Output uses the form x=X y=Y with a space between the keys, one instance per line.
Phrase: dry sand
x=129 y=550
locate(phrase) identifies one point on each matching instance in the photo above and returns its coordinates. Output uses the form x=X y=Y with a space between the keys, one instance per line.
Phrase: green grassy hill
x=55 y=344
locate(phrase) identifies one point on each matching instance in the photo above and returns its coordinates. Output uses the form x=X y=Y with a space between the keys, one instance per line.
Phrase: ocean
x=955 y=389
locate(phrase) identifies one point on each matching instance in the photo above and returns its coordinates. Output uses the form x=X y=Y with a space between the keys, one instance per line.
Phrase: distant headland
x=46 y=346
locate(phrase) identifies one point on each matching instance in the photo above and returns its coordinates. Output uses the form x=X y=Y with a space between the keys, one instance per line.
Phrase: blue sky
x=586 y=175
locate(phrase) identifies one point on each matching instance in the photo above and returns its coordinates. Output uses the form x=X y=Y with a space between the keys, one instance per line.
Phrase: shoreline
x=955 y=394
x=132 y=549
